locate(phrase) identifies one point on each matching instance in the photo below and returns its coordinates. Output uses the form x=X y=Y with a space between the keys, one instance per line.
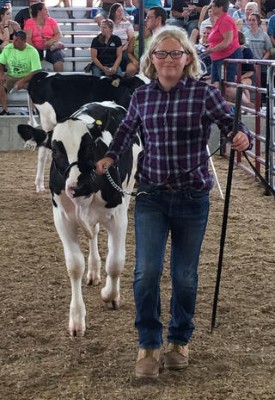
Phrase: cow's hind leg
x=75 y=264
x=94 y=261
x=43 y=155
x=115 y=261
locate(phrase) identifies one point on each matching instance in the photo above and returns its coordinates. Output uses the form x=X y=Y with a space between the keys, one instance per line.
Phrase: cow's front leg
x=75 y=264
x=115 y=261
x=42 y=157
x=94 y=261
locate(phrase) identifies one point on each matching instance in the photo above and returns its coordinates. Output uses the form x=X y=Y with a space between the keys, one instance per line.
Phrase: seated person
x=186 y=13
x=24 y=14
x=106 y=51
x=7 y=27
x=209 y=21
x=104 y=11
x=44 y=34
x=203 y=56
x=123 y=29
x=133 y=52
x=21 y=61
x=5 y=3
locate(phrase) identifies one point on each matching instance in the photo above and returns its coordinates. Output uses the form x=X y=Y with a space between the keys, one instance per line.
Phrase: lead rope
x=135 y=194
x=118 y=188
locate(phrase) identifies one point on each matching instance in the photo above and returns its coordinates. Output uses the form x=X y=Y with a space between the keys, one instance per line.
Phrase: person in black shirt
x=106 y=51
x=186 y=13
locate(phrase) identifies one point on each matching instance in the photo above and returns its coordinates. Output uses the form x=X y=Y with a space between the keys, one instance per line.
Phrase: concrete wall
x=9 y=138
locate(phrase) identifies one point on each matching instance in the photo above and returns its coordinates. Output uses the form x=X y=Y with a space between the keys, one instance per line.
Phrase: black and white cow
x=83 y=199
x=58 y=96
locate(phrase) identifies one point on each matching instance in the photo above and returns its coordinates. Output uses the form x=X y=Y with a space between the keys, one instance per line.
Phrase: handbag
x=56 y=46
x=88 y=67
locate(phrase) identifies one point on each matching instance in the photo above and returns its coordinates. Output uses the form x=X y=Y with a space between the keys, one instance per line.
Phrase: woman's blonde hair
x=192 y=70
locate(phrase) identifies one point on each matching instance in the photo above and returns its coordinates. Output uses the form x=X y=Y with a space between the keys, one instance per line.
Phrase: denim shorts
x=231 y=69
x=51 y=56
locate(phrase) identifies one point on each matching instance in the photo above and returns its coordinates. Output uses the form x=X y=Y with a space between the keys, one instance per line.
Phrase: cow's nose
x=71 y=188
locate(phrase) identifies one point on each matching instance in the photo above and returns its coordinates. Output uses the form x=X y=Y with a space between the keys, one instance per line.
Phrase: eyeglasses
x=150 y=16
x=175 y=54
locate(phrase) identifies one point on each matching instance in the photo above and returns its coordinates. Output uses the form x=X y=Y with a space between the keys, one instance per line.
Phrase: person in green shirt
x=21 y=61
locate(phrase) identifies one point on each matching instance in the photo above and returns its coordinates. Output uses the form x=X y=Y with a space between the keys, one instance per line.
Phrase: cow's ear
x=27 y=132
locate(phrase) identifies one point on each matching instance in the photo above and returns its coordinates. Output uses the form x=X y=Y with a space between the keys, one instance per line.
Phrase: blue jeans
x=98 y=72
x=184 y=214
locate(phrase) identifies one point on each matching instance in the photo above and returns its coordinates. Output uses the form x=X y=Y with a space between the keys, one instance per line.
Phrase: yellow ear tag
x=98 y=122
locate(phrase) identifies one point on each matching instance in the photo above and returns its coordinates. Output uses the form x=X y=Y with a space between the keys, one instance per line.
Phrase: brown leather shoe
x=176 y=356
x=148 y=363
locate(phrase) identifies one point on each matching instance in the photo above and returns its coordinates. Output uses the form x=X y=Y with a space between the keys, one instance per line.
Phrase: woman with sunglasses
x=175 y=112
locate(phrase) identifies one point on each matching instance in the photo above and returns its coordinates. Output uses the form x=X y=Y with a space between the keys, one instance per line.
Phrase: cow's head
x=77 y=144
x=34 y=137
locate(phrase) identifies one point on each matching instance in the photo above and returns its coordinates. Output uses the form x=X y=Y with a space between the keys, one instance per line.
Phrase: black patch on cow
x=66 y=93
x=27 y=132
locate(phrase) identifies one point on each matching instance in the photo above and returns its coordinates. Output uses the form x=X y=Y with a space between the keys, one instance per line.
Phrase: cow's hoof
x=95 y=281
x=112 y=304
x=77 y=331
x=40 y=189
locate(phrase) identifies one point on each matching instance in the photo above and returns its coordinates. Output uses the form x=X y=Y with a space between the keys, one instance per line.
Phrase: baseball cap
x=21 y=34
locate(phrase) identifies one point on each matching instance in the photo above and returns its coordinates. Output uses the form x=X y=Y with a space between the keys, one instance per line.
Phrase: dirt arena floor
x=39 y=361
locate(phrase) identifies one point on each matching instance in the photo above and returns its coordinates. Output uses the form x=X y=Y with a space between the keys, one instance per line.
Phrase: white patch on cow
x=107 y=137
x=110 y=104
x=47 y=116
x=143 y=78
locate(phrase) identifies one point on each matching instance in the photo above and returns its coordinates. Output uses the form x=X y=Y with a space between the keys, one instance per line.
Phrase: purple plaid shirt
x=176 y=126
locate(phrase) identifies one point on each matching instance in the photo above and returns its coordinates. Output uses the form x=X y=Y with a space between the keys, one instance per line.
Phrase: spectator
x=240 y=13
x=151 y=3
x=5 y=3
x=271 y=29
x=104 y=12
x=204 y=57
x=123 y=29
x=260 y=44
x=155 y=19
x=210 y=21
x=247 y=72
x=256 y=39
x=266 y=8
x=223 y=43
x=106 y=51
x=21 y=61
x=242 y=24
x=133 y=52
x=88 y=14
x=24 y=14
x=186 y=13
x=7 y=27
x=67 y=3
x=44 y=34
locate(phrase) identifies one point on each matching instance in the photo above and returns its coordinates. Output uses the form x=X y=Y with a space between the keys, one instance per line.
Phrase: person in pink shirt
x=223 y=43
x=44 y=34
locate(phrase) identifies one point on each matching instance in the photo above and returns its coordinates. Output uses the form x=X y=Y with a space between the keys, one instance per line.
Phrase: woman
x=175 y=112
x=44 y=34
x=123 y=29
x=133 y=52
x=7 y=27
x=106 y=51
x=258 y=41
x=223 y=43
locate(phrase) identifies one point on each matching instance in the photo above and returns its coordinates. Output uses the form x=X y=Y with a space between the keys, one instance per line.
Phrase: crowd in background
x=218 y=29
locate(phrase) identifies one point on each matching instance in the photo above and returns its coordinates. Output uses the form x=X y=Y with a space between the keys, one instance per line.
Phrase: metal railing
x=263 y=153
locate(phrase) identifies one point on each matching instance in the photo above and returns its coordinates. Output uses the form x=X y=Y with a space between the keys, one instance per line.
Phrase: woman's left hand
x=240 y=141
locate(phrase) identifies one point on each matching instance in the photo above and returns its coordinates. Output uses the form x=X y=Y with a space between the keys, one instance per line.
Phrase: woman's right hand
x=103 y=164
